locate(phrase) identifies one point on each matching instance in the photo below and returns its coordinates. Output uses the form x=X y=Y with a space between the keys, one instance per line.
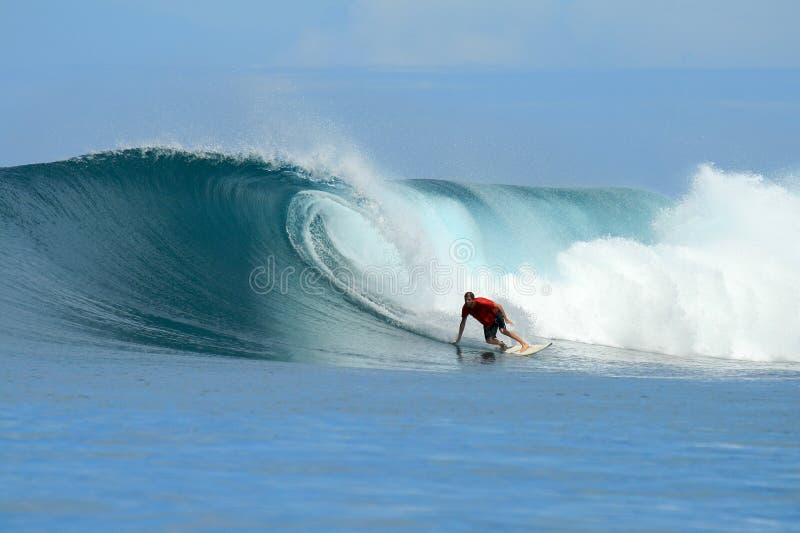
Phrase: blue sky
x=380 y=33
x=618 y=92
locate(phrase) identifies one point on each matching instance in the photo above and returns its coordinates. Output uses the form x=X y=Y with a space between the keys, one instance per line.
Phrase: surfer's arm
x=460 y=330
x=505 y=316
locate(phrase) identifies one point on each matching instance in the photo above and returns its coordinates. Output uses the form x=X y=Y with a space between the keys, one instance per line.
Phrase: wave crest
x=722 y=279
x=156 y=247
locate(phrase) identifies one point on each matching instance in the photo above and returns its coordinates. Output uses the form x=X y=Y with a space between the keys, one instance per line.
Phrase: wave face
x=157 y=249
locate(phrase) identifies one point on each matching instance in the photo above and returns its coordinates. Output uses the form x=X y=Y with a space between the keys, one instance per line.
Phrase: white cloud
x=549 y=33
x=442 y=33
x=685 y=33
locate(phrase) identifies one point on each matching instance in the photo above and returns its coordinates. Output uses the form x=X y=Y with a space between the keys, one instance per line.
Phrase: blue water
x=204 y=341
x=164 y=441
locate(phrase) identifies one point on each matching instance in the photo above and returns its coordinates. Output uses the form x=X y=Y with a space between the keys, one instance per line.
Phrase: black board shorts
x=490 y=332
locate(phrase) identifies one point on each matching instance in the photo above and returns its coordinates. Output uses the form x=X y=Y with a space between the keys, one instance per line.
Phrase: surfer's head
x=469 y=299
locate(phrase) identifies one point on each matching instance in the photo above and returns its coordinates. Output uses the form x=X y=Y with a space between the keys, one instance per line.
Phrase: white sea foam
x=723 y=278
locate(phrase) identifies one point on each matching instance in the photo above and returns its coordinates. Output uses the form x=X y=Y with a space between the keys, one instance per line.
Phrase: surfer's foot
x=524 y=347
x=503 y=346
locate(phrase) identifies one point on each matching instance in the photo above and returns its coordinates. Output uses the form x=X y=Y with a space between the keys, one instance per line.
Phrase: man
x=492 y=316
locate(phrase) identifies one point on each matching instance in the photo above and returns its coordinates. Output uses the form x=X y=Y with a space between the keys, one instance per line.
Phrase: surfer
x=492 y=316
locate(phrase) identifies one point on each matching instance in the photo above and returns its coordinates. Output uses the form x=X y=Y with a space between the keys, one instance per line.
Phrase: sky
x=571 y=92
x=380 y=33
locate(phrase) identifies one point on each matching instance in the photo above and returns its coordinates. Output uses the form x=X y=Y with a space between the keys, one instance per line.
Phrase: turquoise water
x=195 y=340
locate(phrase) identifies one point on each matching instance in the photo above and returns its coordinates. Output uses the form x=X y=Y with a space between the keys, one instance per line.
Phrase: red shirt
x=484 y=311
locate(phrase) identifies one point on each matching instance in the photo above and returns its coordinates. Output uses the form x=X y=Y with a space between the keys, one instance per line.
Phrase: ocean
x=197 y=340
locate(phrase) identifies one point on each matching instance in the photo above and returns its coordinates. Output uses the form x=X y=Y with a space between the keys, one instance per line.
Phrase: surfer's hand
x=509 y=321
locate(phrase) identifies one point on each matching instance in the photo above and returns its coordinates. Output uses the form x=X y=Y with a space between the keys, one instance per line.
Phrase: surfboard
x=532 y=349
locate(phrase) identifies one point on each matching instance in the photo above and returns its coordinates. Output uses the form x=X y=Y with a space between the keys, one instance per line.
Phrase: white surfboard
x=513 y=349
x=532 y=349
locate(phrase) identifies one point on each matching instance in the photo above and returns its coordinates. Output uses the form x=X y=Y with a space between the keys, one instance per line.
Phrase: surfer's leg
x=490 y=334
x=523 y=344
x=496 y=341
